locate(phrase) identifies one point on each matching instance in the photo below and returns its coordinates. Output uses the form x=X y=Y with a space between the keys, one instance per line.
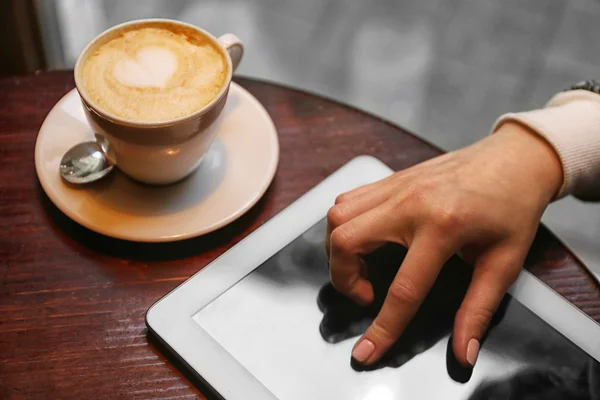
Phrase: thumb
x=495 y=271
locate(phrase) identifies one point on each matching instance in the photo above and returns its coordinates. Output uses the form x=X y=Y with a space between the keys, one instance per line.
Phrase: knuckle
x=418 y=198
x=478 y=317
x=340 y=239
x=445 y=214
x=404 y=291
x=417 y=193
x=336 y=216
x=448 y=218
x=384 y=331
x=341 y=198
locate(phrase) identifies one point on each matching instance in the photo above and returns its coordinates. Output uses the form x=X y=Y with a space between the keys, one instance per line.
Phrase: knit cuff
x=570 y=123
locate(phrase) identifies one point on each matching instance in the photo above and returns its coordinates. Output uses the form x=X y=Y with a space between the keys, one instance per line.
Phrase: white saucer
x=232 y=177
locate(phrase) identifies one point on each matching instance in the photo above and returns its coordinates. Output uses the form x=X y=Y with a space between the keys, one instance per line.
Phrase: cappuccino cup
x=154 y=89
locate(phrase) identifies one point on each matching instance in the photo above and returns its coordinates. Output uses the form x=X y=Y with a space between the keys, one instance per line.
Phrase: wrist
x=539 y=163
x=570 y=124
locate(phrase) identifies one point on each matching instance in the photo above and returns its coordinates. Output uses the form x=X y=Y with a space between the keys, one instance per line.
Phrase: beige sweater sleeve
x=570 y=123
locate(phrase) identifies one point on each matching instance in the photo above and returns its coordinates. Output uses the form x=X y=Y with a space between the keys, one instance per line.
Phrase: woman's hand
x=485 y=200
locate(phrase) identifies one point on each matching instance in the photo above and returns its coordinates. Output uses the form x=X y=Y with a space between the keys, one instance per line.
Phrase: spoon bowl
x=85 y=162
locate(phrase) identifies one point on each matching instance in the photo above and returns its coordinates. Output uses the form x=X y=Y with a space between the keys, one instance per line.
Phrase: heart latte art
x=154 y=73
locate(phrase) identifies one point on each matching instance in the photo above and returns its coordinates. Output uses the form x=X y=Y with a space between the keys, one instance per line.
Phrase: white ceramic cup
x=167 y=151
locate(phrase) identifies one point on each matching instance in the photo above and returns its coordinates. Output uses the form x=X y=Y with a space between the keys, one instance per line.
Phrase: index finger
x=349 y=242
x=351 y=204
x=414 y=279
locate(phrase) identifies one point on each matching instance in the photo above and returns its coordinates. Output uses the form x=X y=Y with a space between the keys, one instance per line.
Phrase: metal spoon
x=86 y=162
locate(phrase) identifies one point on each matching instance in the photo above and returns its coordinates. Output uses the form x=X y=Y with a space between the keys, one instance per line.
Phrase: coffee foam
x=154 y=73
x=151 y=67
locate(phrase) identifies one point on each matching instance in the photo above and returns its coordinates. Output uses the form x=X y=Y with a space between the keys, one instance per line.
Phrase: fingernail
x=472 y=351
x=363 y=351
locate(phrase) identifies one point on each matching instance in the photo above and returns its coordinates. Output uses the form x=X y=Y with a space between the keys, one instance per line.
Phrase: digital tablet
x=263 y=322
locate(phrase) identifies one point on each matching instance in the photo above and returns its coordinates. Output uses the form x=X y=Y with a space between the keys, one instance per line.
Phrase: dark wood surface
x=72 y=302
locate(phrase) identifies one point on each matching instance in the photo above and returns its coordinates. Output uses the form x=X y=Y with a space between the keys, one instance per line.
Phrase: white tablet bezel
x=171 y=318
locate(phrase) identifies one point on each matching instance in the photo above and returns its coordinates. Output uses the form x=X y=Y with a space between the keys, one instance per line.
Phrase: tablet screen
x=288 y=327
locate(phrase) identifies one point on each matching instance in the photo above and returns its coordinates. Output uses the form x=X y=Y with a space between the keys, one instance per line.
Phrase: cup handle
x=234 y=47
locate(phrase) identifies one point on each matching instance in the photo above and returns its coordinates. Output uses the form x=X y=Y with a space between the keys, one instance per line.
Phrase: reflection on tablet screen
x=289 y=328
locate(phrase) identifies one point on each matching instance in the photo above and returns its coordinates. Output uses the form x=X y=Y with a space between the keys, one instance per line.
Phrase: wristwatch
x=590 y=85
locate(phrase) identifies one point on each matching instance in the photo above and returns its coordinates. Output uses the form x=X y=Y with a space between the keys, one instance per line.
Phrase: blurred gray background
x=444 y=69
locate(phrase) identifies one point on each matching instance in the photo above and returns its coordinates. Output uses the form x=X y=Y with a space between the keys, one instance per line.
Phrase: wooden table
x=72 y=302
